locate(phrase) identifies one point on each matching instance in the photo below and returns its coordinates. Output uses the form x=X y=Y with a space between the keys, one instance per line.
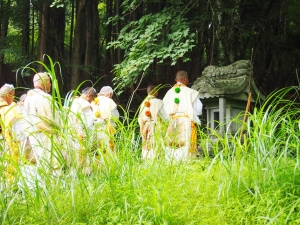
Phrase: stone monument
x=224 y=92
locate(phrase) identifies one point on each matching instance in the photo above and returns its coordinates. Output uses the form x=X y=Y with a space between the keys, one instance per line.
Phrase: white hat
x=106 y=90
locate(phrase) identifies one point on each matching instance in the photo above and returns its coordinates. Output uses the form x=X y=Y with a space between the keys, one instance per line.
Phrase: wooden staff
x=245 y=116
x=248 y=101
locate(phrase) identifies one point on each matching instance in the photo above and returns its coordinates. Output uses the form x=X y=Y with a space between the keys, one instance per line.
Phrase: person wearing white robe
x=150 y=119
x=19 y=132
x=183 y=106
x=105 y=113
x=42 y=123
x=81 y=122
x=8 y=114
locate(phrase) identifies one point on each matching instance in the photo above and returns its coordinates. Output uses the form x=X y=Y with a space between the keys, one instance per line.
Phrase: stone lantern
x=224 y=92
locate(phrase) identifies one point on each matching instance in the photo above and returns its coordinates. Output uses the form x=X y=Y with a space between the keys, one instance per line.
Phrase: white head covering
x=106 y=90
x=6 y=88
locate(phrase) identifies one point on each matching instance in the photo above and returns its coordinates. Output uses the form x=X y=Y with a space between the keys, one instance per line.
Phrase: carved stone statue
x=233 y=79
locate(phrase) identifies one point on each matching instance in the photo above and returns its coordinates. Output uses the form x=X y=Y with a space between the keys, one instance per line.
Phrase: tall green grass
x=250 y=181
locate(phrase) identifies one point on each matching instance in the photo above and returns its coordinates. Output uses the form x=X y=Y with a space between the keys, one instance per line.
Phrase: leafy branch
x=161 y=36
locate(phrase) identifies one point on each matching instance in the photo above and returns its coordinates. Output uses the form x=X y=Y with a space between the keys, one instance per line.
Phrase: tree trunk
x=44 y=12
x=109 y=36
x=219 y=29
x=118 y=29
x=56 y=36
x=56 y=39
x=26 y=28
x=234 y=43
x=71 y=29
x=68 y=79
x=86 y=42
x=5 y=6
x=227 y=24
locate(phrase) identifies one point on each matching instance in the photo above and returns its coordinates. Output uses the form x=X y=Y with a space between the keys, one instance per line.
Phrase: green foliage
x=163 y=36
x=58 y=3
x=132 y=5
x=12 y=50
x=293 y=27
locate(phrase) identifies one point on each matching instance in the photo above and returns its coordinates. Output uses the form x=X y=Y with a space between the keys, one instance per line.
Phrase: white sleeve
x=115 y=113
x=162 y=113
x=88 y=117
x=198 y=107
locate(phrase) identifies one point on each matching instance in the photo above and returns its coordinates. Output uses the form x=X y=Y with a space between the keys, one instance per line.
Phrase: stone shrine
x=224 y=92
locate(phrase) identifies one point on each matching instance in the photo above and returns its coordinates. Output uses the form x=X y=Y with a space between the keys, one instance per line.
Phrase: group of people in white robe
x=181 y=108
x=32 y=130
x=36 y=123
x=91 y=122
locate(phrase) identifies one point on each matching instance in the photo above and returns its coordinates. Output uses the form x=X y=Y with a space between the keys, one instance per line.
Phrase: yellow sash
x=177 y=141
x=193 y=145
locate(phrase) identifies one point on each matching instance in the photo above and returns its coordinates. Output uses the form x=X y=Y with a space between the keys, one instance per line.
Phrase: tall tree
x=4 y=19
x=44 y=13
x=226 y=26
x=22 y=21
x=51 y=31
x=86 y=41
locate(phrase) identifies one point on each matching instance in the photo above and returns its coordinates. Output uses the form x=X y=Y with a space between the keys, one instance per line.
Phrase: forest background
x=129 y=44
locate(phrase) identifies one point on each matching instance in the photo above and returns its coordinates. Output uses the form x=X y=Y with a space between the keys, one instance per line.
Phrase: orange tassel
x=148 y=113
x=147 y=104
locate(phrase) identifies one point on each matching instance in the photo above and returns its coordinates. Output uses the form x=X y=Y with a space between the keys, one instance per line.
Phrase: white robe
x=150 y=126
x=181 y=115
x=105 y=115
x=41 y=118
x=81 y=123
x=19 y=132
x=81 y=117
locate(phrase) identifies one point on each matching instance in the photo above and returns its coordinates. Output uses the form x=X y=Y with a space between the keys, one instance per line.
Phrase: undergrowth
x=253 y=180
